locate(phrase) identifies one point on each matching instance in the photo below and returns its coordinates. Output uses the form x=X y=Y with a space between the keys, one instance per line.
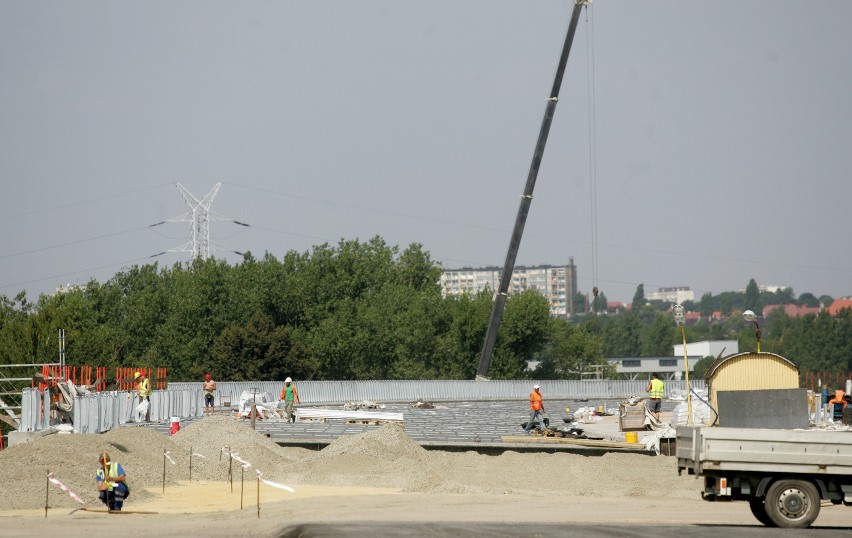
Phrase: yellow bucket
x=631 y=437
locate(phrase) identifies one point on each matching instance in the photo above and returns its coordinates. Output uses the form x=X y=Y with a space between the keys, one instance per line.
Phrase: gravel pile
x=383 y=457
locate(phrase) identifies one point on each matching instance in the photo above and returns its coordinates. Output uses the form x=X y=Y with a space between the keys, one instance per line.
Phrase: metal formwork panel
x=102 y=411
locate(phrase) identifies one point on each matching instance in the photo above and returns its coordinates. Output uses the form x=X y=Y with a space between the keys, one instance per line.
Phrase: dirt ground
x=378 y=477
x=210 y=509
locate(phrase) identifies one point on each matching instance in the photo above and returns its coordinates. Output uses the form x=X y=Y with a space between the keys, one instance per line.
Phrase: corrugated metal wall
x=102 y=411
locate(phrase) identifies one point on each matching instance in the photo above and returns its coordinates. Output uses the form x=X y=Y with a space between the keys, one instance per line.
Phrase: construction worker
x=143 y=385
x=111 y=482
x=209 y=388
x=289 y=395
x=656 y=389
x=536 y=409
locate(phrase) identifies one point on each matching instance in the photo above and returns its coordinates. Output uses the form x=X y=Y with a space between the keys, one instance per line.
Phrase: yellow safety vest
x=144 y=388
x=113 y=473
x=658 y=389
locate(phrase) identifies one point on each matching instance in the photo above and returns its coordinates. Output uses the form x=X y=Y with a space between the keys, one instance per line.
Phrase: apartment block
x=557 y=283
x=676 y=295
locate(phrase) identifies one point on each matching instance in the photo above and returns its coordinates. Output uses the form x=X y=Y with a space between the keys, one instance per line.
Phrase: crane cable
x=593 y=187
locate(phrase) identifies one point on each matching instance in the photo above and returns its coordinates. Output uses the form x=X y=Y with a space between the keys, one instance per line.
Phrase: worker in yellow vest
x=112 y=483
x=656 y=389
x=143 y=385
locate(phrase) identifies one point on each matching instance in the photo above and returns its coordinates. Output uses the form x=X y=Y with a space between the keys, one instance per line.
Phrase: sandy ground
x=210 y=509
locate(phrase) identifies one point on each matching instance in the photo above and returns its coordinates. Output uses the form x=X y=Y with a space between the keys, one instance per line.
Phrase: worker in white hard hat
x=289 y=395
x=536 y=410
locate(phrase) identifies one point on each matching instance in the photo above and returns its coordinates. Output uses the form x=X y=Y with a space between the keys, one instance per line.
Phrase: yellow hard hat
x=137 y=374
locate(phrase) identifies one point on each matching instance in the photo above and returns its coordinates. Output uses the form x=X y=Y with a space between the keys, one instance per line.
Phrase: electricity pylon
x=199 y=215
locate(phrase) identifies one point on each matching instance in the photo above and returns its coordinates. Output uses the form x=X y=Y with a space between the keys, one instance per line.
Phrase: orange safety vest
x=535 y=401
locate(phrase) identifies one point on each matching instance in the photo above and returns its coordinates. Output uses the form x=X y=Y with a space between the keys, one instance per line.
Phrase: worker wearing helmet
x=143 y=385
x=111 y=482
x=536 y=410
x=209 y=389
x=289 y=395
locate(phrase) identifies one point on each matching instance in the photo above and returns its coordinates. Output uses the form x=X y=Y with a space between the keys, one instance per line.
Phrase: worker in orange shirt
x=289 y=395
x=536 y=409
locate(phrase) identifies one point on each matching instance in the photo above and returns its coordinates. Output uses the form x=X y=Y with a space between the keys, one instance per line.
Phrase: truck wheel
x=792 y=504
x=759 y=511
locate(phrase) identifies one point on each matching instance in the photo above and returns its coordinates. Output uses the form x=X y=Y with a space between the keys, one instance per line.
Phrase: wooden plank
x=308 y=413
x=598 y=443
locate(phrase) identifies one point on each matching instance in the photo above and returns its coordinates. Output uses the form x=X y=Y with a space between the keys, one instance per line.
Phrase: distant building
x=68 y=288
x=616 y=307
x=769 y=288
x=557 y=283
x=791 y=310
x=633 y=368
x=676 y=295
x=839 y=304
x=708 y=348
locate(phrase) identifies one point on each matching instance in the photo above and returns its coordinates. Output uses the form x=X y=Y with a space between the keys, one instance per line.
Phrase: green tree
x=569 y=352
x=622 y=336
x=257 y=350
x=752 y=297
x=699 y=369
x=580 y=306
x=521 y=336
x=707 y=305
x=639 y=297
x=658 y=339
x=808 y=299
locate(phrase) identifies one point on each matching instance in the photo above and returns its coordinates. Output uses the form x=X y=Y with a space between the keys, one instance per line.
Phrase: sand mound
x=388 y=442
x=74 y=460
x=385 y=457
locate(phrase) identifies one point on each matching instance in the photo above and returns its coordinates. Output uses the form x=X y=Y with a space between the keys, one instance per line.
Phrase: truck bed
x=707 y=449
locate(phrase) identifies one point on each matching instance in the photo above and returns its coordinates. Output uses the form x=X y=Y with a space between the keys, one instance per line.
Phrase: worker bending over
x=112 y=483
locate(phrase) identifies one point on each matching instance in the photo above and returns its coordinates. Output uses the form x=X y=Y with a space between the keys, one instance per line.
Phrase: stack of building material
x=367 y=417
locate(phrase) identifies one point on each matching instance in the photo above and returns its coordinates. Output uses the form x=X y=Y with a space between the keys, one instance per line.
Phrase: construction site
x=748 y=448
x=400 y=465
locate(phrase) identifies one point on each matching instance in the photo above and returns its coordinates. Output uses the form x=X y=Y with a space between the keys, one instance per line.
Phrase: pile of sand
x=384 y=457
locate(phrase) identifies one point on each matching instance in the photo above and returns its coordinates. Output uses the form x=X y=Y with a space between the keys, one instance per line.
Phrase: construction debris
x=363 y=404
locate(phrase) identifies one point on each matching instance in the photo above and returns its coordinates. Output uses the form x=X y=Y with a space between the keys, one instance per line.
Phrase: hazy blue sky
x=721 y=139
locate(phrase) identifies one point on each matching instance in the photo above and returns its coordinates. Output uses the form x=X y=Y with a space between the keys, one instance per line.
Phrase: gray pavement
x=465 y=424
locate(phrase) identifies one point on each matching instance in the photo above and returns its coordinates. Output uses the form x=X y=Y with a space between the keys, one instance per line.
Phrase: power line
x=33 y=281
x=77 y=203
x=67 y=243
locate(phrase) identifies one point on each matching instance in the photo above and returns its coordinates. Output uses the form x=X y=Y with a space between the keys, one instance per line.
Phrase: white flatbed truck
x=784 y=475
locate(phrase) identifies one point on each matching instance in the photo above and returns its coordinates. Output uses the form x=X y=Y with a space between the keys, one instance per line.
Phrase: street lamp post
x=748 y=315
x=680 y=319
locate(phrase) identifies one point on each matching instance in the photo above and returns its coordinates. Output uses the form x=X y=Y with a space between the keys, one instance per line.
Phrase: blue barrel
x=825 y=397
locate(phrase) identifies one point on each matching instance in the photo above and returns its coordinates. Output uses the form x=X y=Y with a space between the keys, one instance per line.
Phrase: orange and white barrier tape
x=247 y=465
x=168 y=456
x=63 y=487
x=273 y=484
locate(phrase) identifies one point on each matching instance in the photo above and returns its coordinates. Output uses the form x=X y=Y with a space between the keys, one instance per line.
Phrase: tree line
x=357 y=310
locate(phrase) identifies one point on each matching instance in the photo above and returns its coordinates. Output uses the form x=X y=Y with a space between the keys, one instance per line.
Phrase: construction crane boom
x=526 y=199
